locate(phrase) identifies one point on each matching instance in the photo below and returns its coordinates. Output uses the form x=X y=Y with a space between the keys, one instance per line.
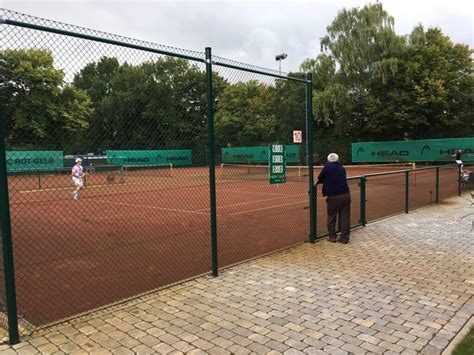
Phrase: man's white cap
x=78 y=160
x=333 y=157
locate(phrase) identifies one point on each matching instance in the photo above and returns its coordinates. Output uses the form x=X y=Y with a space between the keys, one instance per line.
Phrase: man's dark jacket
x=334 y=179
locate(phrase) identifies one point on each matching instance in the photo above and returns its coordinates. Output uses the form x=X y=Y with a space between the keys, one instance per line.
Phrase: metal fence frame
x=209 y=61
x=362 y=222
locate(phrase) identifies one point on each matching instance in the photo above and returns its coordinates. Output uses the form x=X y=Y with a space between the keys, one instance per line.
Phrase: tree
x=364 y=45
x=245 y=115
x=372 y=84
x=96 y=79
x=290 y=107
x=431 y=95
x=42 y=112
x=154 y=105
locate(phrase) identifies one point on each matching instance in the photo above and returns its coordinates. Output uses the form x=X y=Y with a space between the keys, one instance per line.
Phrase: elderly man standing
x=335 y=188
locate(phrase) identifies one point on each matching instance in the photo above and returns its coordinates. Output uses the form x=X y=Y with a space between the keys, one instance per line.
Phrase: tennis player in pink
x=77 y=174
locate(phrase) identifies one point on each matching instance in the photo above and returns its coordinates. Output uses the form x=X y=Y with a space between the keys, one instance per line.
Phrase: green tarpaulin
x=180 y=157
x=34 y=160
x=258 y=155
x=425 y=150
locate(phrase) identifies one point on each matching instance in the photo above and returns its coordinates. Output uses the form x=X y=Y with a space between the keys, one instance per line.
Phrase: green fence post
x=407 y=191
x=459 y=180
x=212 y=168
x=309 y=154
x=363 y=219
x=7 y=238
x=437 y=184
x=316 y=212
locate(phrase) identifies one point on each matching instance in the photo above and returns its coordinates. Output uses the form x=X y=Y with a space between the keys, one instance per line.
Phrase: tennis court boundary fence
x=12 y=20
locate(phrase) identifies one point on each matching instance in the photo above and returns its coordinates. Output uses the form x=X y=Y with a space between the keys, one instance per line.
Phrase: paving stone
x=277 y=346
x=238 y=350
x=47 y=348
x=390 y=346
x=335 y=350
x=369 y=339
x=216 y=351
x=129 y=342
x=163 y=348
x=293 y=352
x=409 y=345
x=295 y=344
x=183 y=346
x=36 y=342
x=439 y=342
x=142 y=349
x=353 y=349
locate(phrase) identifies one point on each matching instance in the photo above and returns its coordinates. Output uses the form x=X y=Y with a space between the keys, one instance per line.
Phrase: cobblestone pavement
x=403 y=285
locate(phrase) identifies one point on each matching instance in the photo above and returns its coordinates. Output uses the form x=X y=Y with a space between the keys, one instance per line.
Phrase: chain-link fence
x=253 y=112
x=136 y=213
x=187 y=164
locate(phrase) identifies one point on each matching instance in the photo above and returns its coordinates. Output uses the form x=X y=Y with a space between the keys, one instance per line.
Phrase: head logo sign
x=179 y=157
x=425 y=148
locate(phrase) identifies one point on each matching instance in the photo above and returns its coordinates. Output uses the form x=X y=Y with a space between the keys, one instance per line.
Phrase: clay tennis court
x=133 y=235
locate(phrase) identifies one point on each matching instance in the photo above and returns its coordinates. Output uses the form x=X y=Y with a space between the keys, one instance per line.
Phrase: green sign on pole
x=423 y=150
x=277 y=164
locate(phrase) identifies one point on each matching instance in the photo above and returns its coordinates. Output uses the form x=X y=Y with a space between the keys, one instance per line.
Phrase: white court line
x=151 y=207
x=249 y=202
x=267 y=208
x=253 y=192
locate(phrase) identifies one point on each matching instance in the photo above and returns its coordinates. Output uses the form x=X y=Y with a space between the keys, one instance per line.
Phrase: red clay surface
x=122 y=239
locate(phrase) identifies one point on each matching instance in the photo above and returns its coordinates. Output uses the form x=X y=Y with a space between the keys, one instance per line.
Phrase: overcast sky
x=247 y=31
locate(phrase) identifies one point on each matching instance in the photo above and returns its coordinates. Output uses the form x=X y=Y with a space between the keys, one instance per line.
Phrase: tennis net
x=155 y=170
x=300 y=172
x=259 y=172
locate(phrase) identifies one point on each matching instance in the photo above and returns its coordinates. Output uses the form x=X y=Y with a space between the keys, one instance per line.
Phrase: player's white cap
x=78 y=160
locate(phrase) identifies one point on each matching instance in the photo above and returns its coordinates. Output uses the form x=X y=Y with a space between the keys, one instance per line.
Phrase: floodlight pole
x=279 y=58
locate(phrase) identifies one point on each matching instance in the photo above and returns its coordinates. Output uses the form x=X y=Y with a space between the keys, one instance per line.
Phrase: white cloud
x=245 y=30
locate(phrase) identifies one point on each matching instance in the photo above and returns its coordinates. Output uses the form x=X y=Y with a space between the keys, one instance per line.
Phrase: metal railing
x=419 y=187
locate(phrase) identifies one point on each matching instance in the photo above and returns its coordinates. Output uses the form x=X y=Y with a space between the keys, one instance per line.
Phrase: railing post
x=309 y=154
x=315 y=211
x=407 y=191
x=212 y=170
x=437 y=184
x=7 y=243
x=459 y=179
x=363 y=219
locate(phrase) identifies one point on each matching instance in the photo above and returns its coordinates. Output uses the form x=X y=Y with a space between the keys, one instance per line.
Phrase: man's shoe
x=332 y=239
x=344 y=241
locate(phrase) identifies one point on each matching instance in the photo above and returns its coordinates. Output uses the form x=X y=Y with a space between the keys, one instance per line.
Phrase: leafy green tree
x=245 y=115
x=96 y=79
x=290 y=107
x=42 y=112
x=364 y=45
x=153 y=105
x=371 y=84
x=431 y=95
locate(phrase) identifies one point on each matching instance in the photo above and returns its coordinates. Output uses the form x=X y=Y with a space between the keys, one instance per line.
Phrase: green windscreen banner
x=258 y=155
x=424 y=150
x=34 y=160
x=180 y=157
